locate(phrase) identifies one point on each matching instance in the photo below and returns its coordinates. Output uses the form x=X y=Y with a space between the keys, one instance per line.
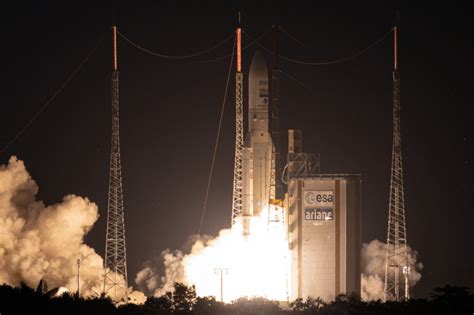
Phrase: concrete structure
x=324 y=235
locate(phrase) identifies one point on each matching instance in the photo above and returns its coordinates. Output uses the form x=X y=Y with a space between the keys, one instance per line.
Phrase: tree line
x=184 y=300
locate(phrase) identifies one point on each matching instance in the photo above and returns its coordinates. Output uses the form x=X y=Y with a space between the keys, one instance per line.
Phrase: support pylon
x=115 y=264
x=276 y=73
x=396 y=264
x=239 y=132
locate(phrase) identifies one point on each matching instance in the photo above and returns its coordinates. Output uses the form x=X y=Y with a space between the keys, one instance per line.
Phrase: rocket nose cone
x=258 y=66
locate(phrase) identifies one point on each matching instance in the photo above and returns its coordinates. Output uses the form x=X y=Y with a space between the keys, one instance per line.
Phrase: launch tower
x=396 y=262
x=239 y=132
x=115 y=279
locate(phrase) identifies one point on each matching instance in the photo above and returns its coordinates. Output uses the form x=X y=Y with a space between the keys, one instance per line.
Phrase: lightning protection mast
x=239 y=132
x=396 y=262
x=115 y=279
x=278 y=193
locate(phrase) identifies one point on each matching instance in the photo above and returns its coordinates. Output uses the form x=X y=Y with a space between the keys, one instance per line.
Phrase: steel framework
x=396 y=263
x=276 y=158
x=239 y=136
x=275 y=209
x=115 y=265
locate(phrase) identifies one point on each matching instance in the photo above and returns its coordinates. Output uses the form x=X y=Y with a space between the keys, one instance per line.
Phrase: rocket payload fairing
x=258 y=146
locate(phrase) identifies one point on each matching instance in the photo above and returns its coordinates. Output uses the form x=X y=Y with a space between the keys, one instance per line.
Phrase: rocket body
x=258 y=146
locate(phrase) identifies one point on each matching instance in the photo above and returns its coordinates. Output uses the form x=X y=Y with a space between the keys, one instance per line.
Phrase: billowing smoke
x=44 y=242
x=373 y=269
x=159 y=275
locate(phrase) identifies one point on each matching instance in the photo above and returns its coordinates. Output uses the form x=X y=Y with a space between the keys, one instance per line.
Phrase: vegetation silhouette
x=184 y=300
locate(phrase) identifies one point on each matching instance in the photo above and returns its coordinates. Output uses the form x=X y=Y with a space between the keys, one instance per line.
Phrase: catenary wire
x=300 y=83
x=284 y=31
x=211 y=170
x=205 y=51
x=51 y=99
x=194 y=55
x=331 y=61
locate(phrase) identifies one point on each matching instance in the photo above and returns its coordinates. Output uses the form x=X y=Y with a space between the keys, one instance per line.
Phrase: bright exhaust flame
x=232 y=265
x=253 y=265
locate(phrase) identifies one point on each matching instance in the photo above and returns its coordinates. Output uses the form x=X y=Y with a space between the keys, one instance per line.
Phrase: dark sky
x=169 y=113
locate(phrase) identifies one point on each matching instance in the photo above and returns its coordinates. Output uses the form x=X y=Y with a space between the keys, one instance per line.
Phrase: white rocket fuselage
x=258 y=146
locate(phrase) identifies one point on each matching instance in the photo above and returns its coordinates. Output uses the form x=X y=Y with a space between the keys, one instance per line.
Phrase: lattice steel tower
x=396 y=264
x=239 y=132
x=279 y=194
x=276 y=212
x=115 y=279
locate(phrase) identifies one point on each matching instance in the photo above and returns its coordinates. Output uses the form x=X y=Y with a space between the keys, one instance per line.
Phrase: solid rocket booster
x=257 y=151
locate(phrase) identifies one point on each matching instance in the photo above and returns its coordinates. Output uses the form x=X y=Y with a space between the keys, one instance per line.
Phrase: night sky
x=170 y=109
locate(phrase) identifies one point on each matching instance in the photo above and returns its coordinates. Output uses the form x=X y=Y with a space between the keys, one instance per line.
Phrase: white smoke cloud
x=373 y=269
x=44 y=242
x=159 y=275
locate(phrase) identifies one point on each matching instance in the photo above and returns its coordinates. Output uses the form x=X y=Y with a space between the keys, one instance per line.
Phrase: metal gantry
x=276 y=159
x=239 y=136
x=274 y=211
x=115 y=265
x=396 y=263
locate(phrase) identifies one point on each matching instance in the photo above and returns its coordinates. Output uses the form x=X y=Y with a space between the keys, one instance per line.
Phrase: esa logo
x=318 y=198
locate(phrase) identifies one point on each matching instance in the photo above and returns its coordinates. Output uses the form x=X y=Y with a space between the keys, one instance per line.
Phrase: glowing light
x=256 y=265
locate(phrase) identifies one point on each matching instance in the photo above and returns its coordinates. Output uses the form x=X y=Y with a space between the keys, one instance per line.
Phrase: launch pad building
x=324 y=235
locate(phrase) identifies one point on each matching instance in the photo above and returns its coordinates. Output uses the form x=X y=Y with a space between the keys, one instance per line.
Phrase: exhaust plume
x=44 y=242
x=229 y=266
x=373 y=269
x=159 y=275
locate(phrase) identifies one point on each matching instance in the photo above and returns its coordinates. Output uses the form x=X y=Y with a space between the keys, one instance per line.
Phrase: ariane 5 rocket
x=258 y=147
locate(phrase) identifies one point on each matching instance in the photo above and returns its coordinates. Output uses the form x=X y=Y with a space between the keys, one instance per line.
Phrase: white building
x=324 y=235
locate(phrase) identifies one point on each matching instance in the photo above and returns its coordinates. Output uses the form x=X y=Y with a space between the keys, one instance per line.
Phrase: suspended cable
x=284 y=31
x=331 y=61
x=174 y=57
x=194 y=55
x=51 y=99
x=289 y=76
x=211 y=170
